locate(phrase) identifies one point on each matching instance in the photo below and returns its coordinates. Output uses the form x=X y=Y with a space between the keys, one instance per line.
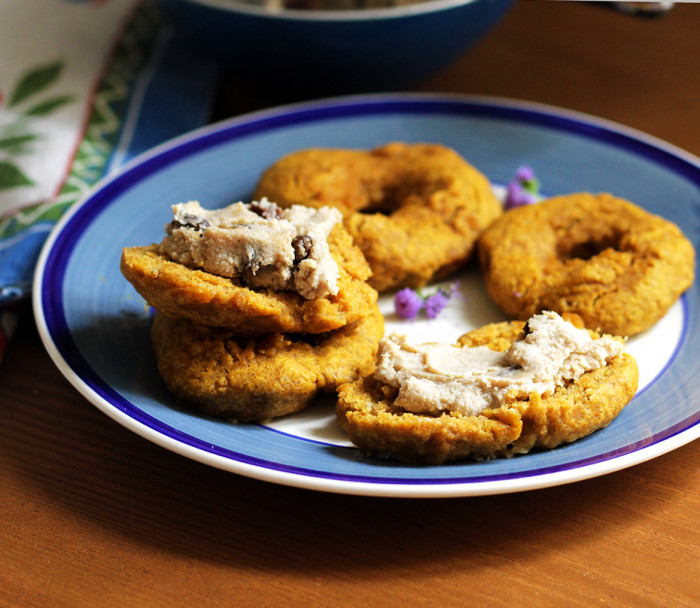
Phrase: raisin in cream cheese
x=437 y=378
x=260 y=243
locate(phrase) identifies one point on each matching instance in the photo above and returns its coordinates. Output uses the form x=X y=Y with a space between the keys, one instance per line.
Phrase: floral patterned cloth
x=85 y=85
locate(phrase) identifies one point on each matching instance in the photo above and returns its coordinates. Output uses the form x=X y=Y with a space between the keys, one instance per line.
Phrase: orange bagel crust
x=415 y=210
x=615 y=264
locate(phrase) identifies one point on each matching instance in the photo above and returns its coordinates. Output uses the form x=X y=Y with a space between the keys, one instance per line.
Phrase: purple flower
x=525 y=174
x=517 y=197
x=434 y=304
x=523 y=189
x=407 y=303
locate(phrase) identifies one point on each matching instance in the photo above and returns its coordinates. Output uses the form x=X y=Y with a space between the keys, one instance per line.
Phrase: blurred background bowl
x=336 y=51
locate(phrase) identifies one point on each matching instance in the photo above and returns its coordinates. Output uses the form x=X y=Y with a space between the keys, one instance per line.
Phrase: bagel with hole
x=604 y=258
x=415 y=210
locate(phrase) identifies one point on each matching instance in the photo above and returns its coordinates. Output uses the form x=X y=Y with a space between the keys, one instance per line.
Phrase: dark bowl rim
x=368 y=14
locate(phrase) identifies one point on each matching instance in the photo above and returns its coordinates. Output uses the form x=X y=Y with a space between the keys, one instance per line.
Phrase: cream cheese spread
x=434 y=378
x=261 y=244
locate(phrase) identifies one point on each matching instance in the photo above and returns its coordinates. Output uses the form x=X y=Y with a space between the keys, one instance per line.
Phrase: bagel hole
x=396 y=195
x=569 y=249
x=380 y=208
x=389 y=201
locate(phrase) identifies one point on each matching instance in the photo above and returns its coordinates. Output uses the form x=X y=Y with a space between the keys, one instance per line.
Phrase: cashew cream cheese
x=261 y=244
x=434 y=378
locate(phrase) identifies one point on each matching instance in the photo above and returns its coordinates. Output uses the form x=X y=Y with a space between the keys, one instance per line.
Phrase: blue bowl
x=337 y=51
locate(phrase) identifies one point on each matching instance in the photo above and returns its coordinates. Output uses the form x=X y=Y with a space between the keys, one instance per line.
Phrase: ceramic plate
x=95 y=326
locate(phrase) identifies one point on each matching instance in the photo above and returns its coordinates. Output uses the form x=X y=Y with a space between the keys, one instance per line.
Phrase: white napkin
x=84 y=86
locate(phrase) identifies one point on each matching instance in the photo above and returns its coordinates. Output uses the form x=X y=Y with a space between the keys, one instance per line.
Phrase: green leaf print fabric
x=80 y=92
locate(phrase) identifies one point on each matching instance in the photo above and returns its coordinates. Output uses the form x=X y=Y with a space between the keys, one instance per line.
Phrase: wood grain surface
x=93 y=515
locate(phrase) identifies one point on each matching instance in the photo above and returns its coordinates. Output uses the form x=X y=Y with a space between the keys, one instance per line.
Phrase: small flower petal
x=434 y=304
x=407 y=303
x=525 y=174
x=516 y=196
x=523 y=189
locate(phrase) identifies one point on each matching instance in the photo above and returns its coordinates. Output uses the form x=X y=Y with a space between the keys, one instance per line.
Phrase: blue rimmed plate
x=96 y=328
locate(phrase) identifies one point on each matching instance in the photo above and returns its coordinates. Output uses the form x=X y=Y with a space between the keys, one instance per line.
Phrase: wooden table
x=93 y=515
